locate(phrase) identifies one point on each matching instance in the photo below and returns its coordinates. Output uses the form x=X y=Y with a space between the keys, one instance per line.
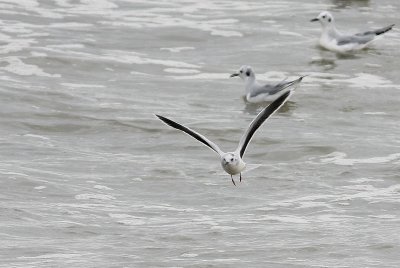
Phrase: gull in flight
x=232 y=162
x=257 y=92
x=332 y=39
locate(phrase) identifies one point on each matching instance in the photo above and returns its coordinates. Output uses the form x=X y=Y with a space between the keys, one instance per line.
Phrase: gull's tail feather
x=284 y=85
x=293 y=83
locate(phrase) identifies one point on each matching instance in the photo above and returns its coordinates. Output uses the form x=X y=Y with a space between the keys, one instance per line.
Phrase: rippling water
x=90 y=178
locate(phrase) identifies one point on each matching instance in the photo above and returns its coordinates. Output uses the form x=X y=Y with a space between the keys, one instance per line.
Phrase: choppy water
x=90 y=178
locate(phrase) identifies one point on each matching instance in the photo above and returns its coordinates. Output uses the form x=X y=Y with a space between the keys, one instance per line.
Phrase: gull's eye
x=231 y=159
x=323 y=16
x=248 y=73
x=241 y=71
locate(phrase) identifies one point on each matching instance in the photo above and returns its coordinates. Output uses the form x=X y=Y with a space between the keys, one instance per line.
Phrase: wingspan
x=192 y=133
x=260 y=119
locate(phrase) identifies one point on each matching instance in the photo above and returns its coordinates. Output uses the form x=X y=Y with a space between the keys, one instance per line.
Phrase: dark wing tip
x=167 y=121
x=301 y=78
x=162 y=118
x=384 y=30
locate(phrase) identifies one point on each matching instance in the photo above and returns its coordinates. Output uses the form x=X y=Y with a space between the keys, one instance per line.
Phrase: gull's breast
x=234 y=169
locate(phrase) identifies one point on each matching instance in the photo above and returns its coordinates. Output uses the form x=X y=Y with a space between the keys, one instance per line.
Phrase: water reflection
x=350 y=3
x=325 y=63
x=327 y=59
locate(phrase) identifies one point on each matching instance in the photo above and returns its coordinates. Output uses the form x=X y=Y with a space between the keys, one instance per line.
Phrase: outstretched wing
x=260 y=118
x=192 y=133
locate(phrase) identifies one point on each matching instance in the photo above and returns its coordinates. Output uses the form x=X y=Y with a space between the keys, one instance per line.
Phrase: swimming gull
x=260 y=92
x=333 y=40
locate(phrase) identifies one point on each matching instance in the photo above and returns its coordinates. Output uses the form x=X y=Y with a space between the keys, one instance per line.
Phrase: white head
x=232 y=163
x=325 y=18
x=244 y=72
x=229 y=159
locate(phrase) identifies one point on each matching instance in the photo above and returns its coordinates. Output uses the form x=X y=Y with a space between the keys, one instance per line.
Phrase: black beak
x=235 y=74
x=314 y=19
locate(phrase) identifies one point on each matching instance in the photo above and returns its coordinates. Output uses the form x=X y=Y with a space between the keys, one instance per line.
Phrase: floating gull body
x=232 y=162
x=258 y=92
x=332 y=39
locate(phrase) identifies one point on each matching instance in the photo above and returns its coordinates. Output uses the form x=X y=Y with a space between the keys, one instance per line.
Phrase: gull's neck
x=329 y=31
x=249 y=82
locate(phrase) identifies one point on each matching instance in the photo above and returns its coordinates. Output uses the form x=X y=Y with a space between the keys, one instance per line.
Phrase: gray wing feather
x=376 y=32
x=364 y=37
x=273 y=89
x=355 y=39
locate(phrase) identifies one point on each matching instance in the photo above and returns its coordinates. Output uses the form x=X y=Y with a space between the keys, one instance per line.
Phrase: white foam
x=289 y=33
x=286 y=219
x=135 y=58
x=70 y=25
x=189 y=255
x=375 y=113
x=40 y=187
x=384 y=216
x=181 y=71
x=52 y=256
x=94 y=196
x=102 y=187
x=339 y=158
x=176 y=49
x=28 y=4
x=333 y=218
x=370 y=193
x=14 y=45
x=364 y=180
x=365 y=80
x=311 y=204
x=223 y=228
x=38 y=54
x=128 y=219
x=226 y=33
x=17 y=66
x=37 y=136
x=78 y=46
x=373 y=65
x=235 y=260
x=82 y=85
x=202 y=76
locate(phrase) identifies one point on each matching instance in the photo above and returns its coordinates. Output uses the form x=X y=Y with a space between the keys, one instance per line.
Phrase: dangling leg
x=233 y=181
x=240 y=177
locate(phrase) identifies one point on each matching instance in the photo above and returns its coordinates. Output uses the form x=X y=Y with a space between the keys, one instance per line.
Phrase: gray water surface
x=90 y=178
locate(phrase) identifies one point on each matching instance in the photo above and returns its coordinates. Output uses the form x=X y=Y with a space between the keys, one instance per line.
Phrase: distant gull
x=332 y=39
x=232 y=162
x=258 y=92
